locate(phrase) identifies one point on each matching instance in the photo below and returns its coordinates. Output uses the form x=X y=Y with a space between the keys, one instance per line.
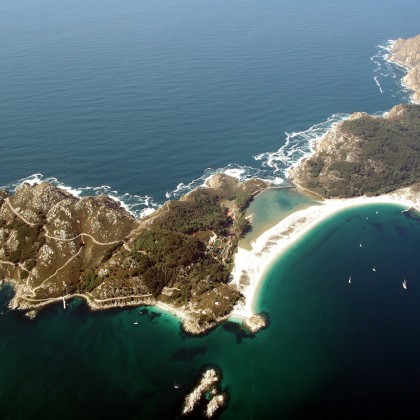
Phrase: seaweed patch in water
x=188 y=355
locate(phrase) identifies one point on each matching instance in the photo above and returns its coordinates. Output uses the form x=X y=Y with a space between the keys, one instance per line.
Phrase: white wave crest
x=242 y=173
x=387 y=74
x=136 y=205
x=297 y=146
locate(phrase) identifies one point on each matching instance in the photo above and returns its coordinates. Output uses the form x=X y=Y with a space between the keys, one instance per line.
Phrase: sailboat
x=404 y=283
x=373 y=269
x=350 y=279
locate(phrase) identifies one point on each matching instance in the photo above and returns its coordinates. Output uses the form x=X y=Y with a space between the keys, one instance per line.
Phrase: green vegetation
x=89 y=282
x=243 y=200
x=200 y=211
x=29 y=241
x=389 y=157
x=160 y=257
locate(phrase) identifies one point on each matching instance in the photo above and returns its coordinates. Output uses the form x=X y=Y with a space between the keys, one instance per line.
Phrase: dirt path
x=56 y=271
x=17 y=214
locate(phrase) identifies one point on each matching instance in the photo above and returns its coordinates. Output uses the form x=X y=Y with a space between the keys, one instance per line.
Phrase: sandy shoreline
x=254 y=263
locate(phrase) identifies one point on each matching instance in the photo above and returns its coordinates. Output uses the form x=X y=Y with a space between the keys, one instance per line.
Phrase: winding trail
x=17 y=214
x=20 y=265
x=56 y=238
x=56 y=271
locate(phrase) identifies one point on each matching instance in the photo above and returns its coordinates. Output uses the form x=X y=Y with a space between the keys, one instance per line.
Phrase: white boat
x=360 y=245
x=373 y=269
x=404 y=283
x=350 y=279
x=64 y=303
x=136 y=322
x=176 y=386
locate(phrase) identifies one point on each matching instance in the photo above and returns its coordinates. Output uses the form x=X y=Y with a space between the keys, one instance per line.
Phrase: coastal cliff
x=364 y=155
x=406 y=52
x=54 y=246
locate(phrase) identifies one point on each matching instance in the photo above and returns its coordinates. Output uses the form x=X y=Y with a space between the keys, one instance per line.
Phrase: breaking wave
x=388 y=75
x=273 y=168
x=297 y=146
x=138 y=206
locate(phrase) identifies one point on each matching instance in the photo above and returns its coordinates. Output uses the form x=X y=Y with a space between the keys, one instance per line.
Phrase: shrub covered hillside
x=365 y=155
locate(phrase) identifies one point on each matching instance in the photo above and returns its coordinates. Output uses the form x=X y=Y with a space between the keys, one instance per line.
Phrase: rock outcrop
x=406 y=52
x=209 y=384
x=255 y=323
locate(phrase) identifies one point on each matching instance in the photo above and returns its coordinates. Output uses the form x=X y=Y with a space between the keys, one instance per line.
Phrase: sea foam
x=387 y=74
x=137 y=205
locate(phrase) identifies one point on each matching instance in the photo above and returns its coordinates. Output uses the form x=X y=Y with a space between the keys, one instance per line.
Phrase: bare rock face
x=229 y=185
x=209 y=384
x=222 y=181
x=255 y=323
x=51 y=242
x=34 y=201
x=406 y=52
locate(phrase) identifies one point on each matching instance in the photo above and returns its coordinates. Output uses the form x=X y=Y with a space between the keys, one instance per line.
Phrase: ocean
x=143 y=100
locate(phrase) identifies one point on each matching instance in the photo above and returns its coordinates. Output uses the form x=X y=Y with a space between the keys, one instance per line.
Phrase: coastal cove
x=310 y=304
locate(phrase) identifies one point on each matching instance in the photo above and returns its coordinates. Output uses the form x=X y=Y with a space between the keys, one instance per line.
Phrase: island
x=54 y=247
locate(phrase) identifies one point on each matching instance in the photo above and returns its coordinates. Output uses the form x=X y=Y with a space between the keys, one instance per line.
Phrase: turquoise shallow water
x=272 y=206
x=332 y=350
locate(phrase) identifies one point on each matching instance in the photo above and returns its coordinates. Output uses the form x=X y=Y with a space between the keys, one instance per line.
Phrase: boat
x=404 y=283
x=373 y=269
x=350 y=279
x=176 y=386
x=64 y=303
x=360 y=245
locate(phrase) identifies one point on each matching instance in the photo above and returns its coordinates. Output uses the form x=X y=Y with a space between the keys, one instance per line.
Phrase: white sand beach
x=251 y=265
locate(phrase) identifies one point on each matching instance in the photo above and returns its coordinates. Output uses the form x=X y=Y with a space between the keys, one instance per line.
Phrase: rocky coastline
x=406 y=53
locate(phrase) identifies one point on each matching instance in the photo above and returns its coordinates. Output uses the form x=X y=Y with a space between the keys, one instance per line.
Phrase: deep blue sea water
x=135 y=97
x=142 y=95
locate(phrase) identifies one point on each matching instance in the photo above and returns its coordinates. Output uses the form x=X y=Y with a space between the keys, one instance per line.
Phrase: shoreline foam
x=269 y=246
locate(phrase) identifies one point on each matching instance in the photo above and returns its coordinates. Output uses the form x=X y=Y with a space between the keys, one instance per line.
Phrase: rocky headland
x=364 y=155
x=406 y=52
